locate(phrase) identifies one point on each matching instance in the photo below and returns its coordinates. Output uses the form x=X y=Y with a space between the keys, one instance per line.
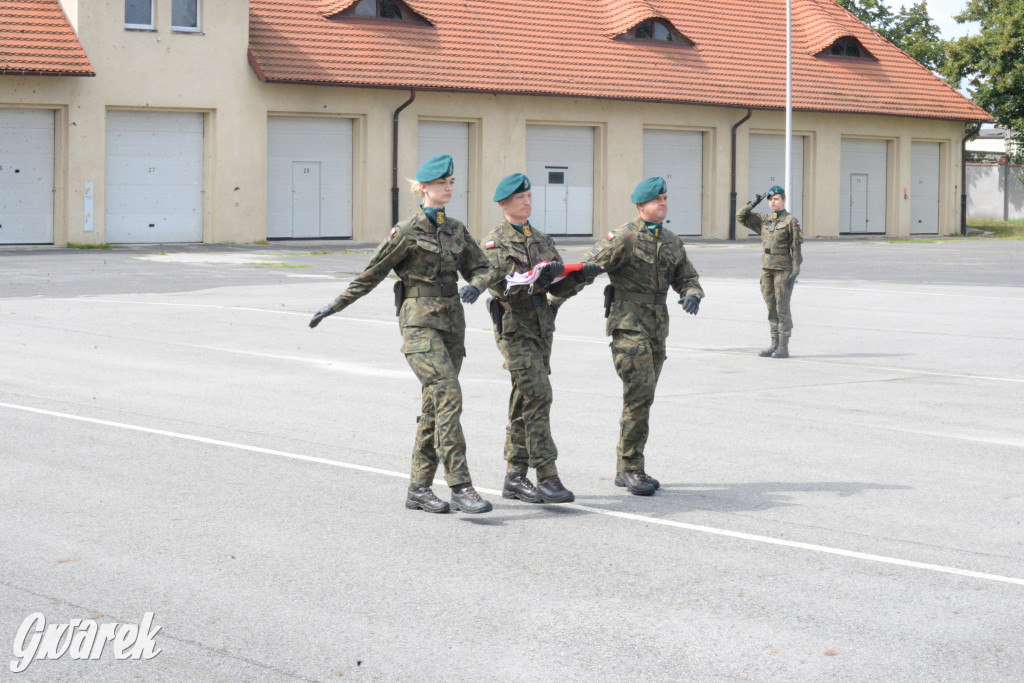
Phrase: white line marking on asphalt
x=584 y=340
x=608 y=513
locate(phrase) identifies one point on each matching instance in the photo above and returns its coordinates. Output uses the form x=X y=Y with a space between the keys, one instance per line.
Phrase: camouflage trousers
x=777 y=293
x=528 y=441
x=638 y=362
x=436 y=358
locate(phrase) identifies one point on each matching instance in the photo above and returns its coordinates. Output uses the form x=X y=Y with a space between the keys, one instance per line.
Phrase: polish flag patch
x=489 y=244
x=393 y=230
x=609 y=236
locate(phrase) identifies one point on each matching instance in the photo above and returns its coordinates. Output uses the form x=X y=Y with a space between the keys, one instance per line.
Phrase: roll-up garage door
x=26 y=176
x=560 y=165
x=768 y=167
x=450 y=137
x=309 y=177
x=154 y=188
x=678 y=157
x=862 y=186
x=924 y=188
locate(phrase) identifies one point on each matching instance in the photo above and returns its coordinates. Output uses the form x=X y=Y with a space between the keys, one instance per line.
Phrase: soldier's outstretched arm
x=386 y=256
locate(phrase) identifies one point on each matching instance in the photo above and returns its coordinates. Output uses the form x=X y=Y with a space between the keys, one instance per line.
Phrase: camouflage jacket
x=424 y=255
x=510 y=252
x=638 y=262
x=780 y=237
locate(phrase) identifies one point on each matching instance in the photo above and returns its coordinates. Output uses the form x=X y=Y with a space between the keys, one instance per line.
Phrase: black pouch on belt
x=609 y=297
x=494 y=306
x=399 y=296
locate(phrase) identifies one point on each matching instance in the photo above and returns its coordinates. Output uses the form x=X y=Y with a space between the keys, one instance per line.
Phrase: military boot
x=638 y=483
x=422 y=498
x=518 y=486
x=466 y=499
x=783 y=350
x=552 y=491
x=621 y=481
x=765 y=353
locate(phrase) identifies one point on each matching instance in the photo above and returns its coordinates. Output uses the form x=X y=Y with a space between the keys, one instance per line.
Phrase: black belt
x=640 y=297
x=533 y=301
x=430 y=290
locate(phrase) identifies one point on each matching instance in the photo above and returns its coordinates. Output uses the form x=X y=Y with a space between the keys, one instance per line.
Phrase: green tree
x=992 y=63
x=911 y=29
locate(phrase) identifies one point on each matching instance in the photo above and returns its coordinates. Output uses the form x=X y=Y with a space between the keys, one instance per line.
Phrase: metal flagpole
x=789 y=98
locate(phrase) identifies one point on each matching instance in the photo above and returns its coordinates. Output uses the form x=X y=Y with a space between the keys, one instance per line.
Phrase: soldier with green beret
x=524 y=325
x=643 y=259
x=780 y=263
x=428 y=251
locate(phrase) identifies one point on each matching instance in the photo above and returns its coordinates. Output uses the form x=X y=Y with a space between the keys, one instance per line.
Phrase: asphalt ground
x=174 y=439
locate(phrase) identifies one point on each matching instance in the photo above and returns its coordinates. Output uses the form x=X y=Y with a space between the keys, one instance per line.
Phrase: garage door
x=560 y=165
x=154 y=188
x=678 y=157
x=450 y=137
x=768 y=167
x=924 y=188
x=309 y=177
x=862 y=186
x=26 y=176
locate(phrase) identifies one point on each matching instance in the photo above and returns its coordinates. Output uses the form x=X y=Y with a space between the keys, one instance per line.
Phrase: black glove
x=468 y=294
x=757 y=199
x=690 y=303
x=591 y=270
x=320 y=315
x=552 y=270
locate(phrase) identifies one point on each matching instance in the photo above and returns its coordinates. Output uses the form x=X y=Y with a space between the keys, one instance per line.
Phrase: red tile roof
x=37 y=39
x=544 y=47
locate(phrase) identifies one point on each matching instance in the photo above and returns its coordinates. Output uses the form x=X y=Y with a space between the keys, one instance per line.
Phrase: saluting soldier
x=524 y=324
x=643 y=259
x=780 y=263
x=428 y=251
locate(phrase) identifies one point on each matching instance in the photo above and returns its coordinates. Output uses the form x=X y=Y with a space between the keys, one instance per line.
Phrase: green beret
x=774 y=190
x=510 y=185
x=648 y=189
x=433 y=168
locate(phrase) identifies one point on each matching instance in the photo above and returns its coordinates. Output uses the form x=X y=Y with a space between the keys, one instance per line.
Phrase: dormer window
x=656 y=30
x=847 y=46
x=394 y=10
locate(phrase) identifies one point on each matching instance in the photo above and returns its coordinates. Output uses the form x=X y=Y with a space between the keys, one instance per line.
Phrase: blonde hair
x=416 y=187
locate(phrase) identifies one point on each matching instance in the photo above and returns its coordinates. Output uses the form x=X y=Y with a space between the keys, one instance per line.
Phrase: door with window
x=560 y=165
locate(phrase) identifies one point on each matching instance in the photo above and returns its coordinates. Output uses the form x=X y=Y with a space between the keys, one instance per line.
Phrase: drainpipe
x=394 y=157
x=963 y=177
x=732 y=191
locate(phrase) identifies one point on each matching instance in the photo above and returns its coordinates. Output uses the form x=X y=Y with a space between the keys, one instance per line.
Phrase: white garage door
x=862 y=186
x=154 y=189
x=449 y=137
x=560 y=165
x=309 y=177
x=924 y=188
x=678 y=157
x=768 y=167
x=26 y=176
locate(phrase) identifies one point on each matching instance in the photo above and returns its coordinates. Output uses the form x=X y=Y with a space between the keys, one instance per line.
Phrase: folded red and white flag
x=530 y=276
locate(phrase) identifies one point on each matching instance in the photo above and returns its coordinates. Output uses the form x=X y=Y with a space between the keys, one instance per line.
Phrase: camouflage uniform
x=641 y=267
x=428 y=259
x=527 y=328
x=781 y=239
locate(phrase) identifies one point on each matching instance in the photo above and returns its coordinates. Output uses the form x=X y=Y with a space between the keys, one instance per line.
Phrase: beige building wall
x=162 y=70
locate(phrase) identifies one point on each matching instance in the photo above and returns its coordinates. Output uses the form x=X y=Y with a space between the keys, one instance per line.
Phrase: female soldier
x=427 y=251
